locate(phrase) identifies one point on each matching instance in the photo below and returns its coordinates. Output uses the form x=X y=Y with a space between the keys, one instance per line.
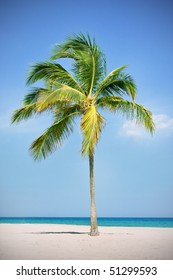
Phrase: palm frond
x=52 y=138
x=117 y=83
x=51 y=72
x=33 y=95
x=62 y=94
x=24 y=113
x=71 y=46
x=109 y=102
x=130 y=110
x=29 y=108
x=91 y=125
x=89 y=63
x=65 y=109
x=89 y=69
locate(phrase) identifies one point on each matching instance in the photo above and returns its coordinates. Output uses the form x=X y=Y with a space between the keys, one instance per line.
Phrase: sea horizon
x=162 y=222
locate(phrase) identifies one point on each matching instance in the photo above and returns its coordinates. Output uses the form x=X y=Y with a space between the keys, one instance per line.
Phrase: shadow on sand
x=60 y=232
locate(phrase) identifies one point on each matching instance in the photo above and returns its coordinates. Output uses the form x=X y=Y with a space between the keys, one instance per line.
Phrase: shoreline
x=67 y=242
x=105 y=226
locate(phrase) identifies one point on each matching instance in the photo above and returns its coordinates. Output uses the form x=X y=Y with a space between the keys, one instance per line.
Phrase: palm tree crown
x=80 y=92
x=82 y=95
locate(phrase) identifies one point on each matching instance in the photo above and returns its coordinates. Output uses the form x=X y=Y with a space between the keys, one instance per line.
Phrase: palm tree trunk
x=94 y=227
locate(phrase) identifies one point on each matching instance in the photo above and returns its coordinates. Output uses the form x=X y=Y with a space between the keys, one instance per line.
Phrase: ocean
x=113 y=222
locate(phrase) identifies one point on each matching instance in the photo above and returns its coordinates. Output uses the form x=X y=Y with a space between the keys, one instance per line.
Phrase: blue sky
x=133 y=170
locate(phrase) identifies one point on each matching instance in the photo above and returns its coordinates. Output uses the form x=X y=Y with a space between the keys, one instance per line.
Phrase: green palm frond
x=109 y=102
x=137 y=112
x=71 y=46
x=89 y=62
x=118 y=83
x=29 y=108
x=53 y=73
x=33 y=95
x=130 y=110
x=24 y=113
x=52 y=138
x=65 y=109
x=89 y=69
x=91 y=125
x=62 y=94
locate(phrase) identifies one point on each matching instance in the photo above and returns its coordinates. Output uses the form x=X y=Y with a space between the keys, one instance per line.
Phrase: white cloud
x=130 y=128
x=163 y=123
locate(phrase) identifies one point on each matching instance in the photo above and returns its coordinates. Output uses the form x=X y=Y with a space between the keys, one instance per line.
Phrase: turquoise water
x=123 y=222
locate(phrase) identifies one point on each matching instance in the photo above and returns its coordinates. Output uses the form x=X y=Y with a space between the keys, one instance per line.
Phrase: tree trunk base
x=94 y=233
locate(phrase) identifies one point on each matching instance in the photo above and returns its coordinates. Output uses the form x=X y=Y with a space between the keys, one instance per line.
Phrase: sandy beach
x=67 y=242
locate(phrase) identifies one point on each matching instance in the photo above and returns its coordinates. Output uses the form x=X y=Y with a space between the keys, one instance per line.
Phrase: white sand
x=67 y=242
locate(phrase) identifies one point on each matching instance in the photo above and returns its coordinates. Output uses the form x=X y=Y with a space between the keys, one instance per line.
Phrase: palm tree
x=81 y=92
